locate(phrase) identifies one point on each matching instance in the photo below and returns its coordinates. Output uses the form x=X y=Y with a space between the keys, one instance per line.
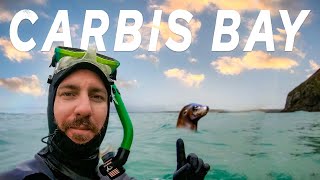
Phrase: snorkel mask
x=65 y=58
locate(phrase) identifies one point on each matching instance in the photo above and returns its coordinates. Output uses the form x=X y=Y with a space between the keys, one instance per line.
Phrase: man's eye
x=67 y=94
x=98 y=98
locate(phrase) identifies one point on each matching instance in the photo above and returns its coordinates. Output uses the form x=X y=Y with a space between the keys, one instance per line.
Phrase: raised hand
x=190 y=168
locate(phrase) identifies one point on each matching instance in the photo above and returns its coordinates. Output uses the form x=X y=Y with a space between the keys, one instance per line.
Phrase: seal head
x=190 y=115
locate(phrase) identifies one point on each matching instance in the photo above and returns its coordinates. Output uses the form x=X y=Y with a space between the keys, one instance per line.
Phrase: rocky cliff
x=306 y=96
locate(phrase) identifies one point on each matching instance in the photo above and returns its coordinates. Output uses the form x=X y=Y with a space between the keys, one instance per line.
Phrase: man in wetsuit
x=78 y=112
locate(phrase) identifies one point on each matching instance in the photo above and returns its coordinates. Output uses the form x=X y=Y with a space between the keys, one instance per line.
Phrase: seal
x=190 y=115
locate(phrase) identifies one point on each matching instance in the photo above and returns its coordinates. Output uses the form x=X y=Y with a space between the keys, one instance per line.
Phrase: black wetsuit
x=54 y=162
x=37 y=169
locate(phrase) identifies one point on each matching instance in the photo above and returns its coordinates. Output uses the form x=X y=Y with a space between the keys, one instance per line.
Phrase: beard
x=78 y=122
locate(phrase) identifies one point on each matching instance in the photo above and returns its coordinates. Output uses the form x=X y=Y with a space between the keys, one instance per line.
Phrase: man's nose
x=83 y=107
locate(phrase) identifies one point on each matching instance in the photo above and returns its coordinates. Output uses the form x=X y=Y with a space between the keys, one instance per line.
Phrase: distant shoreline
x=235 y=111
x=172 y=111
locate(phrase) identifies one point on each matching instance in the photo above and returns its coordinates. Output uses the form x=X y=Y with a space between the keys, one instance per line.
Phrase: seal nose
x=207 y=108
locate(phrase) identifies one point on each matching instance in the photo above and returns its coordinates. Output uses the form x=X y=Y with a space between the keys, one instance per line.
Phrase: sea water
x=248 y=145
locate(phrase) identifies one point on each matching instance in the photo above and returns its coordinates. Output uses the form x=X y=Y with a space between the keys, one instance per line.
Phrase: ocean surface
x=248 y=145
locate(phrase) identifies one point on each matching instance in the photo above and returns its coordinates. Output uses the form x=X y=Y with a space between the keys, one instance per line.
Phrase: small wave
x=166 y=126
x=3 y=142
x=264 y=144
x=223 y=174
x=202 y=131
x=303 y=154
x=219 y=144
x=258 y=154
x=279 y=176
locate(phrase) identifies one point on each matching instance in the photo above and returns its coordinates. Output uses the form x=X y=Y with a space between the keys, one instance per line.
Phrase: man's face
x=80 y=106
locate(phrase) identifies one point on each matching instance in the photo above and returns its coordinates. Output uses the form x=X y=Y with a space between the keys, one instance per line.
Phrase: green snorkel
x=113 y=165
x=124 y=118
x=66 y=57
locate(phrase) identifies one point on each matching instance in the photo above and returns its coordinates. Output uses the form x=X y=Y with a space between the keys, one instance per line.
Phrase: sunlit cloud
x=165 y=33
x=10 y=4
x=228 y=65
x=314 y=66
x=26 y=85
x=262 y=60
x=127 y=84
x=40 y=2
x=199 y=6
x=189 y=79
x=252 y=60
x=5 y=15
x=281 y=36
x=11 y=52
x=249 y=23
x=298 y=52
x=148 y=57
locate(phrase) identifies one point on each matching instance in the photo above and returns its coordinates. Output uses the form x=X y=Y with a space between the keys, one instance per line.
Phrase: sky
x=165 y=79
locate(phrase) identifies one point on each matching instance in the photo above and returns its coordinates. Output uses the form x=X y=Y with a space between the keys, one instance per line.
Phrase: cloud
x=5 y=15
x=239 y=5
x=249 y=23
x=200 y=6
x=73 y=30
x=11 y=52
x=229 y=65
x=165 y=33
x=281 y=36
x=40 y=2
x=193 y=60
x=309 y=18
x=127 y=84
x=152 y=58
x=13 y=4
x=27 y=85
x=313 y=67
x=44 y=14
x=190 y=80
x=252 y=60
x=190 y=5
x=298 y=52
x=48 y=54
x=295 y=51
